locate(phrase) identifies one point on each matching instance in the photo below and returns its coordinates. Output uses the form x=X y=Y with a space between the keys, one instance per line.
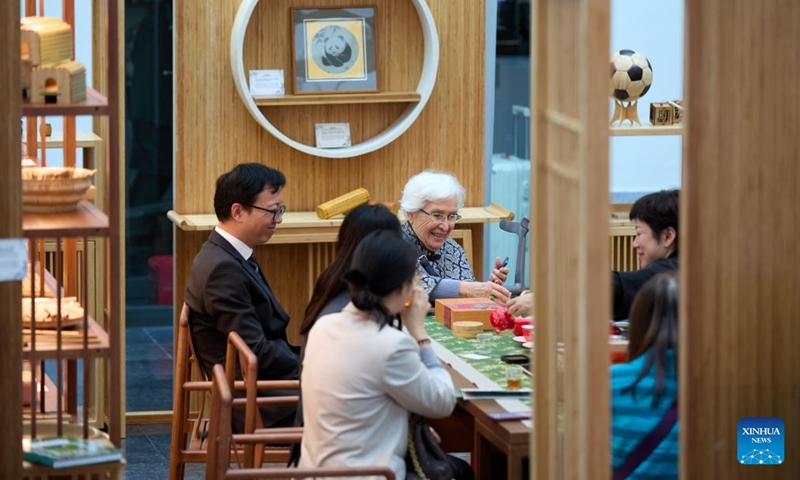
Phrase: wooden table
x=499 y=449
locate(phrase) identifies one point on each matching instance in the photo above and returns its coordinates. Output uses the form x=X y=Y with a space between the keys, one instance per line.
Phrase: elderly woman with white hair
x=431 y=201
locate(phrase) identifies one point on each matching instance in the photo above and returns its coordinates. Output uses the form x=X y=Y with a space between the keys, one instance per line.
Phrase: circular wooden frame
x=425 y=86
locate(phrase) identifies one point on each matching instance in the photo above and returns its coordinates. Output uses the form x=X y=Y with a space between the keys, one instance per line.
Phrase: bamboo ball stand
x=624 y=112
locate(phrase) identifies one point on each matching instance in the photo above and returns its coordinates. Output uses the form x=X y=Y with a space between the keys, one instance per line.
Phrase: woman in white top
x=361 y=377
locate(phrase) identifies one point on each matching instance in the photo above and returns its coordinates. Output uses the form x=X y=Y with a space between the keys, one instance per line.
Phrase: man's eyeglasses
x=441 y=218
x=275 y=213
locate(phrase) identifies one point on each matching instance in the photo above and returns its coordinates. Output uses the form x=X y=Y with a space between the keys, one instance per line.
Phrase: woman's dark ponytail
x=361 y=295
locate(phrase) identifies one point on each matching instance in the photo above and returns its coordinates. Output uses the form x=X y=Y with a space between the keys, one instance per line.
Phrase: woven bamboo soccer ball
x=631 y=75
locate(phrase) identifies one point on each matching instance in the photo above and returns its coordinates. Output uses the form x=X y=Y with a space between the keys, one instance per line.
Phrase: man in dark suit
x=227 y=291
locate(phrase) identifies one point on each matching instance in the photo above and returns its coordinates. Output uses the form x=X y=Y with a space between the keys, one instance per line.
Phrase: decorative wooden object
x=60 y=83
x=26 y=71
x=54 y=189
x=342 y=204
x=45 y=40
x=677 y=111
x=449 y=311
x=660 y=113
x=631 y=78
x=625 y=111
x=467 y=328
x=570 y=267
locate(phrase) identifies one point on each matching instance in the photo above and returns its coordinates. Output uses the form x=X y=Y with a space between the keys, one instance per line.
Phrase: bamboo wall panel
x=10 y=227
x=740 y=317
x=214 y=131
x=570 y=212
x=623 y=256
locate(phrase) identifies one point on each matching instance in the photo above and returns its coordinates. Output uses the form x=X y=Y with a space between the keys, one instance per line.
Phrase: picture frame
x=334 y=50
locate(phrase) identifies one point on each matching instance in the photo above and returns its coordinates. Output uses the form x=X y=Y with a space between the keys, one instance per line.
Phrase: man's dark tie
x=254 y=264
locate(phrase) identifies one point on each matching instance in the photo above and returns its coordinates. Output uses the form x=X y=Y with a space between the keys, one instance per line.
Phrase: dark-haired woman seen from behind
x=361 y=377
x=330 y=291
x=644 y=391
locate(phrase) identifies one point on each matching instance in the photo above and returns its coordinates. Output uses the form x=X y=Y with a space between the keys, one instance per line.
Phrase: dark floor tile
x=151 y=400
x=155 y=428
x=161 y=335
x=151 y=370
x=148 y=471
x=136 y=336
x=149 y=385
x=147 y=351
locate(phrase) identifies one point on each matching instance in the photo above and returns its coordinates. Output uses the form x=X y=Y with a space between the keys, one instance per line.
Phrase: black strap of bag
x=649 y=443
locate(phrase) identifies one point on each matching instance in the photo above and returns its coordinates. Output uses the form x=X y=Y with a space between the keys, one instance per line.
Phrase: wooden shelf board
x=95 y=104
x=86 y=220
x=309 y=220
x=646 y=129
x=83 y=139
x=338 y=99
x=46 y=348
x=46 y=345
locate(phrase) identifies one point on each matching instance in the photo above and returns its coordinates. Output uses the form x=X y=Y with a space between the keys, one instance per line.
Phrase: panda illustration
x=334 y=49
x=337 y=50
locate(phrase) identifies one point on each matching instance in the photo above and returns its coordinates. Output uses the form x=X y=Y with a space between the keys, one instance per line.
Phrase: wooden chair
x=220 y=437
x=238 y=352
x=189 y=428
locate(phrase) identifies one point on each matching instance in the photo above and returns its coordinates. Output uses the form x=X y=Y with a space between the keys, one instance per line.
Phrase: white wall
x=655 y=29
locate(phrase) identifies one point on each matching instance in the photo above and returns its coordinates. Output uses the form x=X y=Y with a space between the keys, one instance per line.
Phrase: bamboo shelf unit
x=93 y=346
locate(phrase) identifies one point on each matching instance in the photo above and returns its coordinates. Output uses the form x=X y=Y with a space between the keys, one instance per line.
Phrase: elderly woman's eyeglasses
x=275 y=213
x=441 y=218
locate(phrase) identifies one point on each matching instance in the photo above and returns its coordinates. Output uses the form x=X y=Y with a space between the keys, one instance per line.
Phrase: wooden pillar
x=570 y=261
x=10 y=227
x=740 y=233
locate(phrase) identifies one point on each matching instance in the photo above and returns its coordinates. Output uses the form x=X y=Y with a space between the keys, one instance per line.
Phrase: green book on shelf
x=68 y=452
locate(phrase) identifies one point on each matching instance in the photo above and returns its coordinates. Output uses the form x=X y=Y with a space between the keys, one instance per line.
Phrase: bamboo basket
x=54 y=189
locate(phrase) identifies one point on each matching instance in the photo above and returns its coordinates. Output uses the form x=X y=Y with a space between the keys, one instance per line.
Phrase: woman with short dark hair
x=655 y=218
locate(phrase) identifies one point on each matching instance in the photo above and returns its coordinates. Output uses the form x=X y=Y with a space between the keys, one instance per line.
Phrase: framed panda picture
x=334 y=50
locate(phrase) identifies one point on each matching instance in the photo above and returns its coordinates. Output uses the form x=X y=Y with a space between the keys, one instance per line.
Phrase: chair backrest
x=238 y=352
x=219 y=445
x=187 y=433
x=219 y=425
x=180 y=397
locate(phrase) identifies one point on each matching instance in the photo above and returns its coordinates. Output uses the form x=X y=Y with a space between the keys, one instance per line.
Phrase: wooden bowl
x=54 y=189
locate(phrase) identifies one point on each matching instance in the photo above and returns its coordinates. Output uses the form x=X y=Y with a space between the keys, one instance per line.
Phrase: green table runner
x=492 y=368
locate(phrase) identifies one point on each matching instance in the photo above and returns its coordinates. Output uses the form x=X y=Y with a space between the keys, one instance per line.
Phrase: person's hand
x=496 y=292
x=521 y=306
x=413 y=316
x=499 y=274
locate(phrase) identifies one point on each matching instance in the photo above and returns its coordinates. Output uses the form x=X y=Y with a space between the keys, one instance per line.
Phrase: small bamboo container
x=343 y=204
